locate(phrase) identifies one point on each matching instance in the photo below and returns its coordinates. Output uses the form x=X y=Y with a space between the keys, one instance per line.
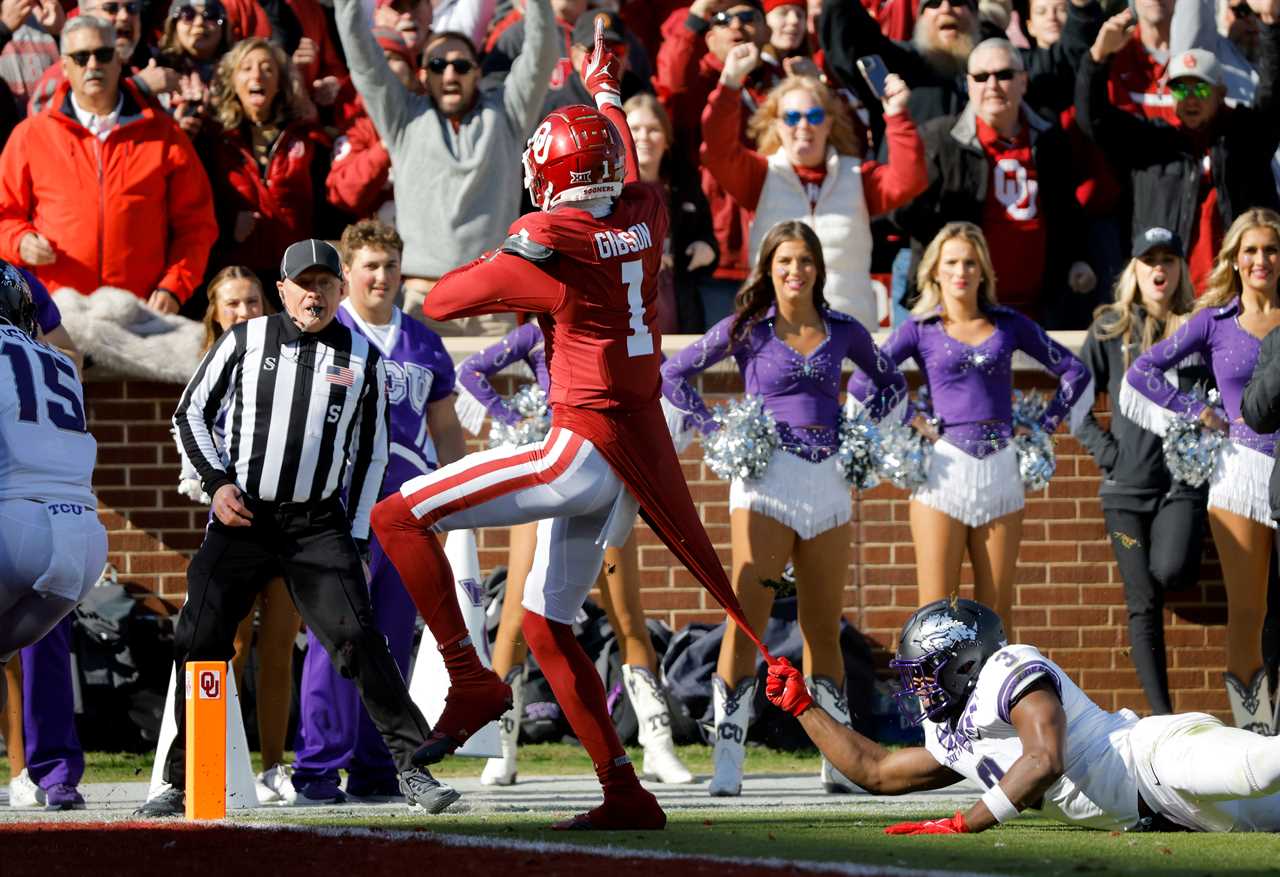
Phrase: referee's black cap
x=308 y=254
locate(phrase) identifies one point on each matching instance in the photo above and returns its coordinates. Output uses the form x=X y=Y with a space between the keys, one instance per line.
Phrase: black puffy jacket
x=1162 y=161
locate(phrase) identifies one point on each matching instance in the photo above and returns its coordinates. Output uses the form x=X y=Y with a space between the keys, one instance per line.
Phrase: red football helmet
x=574 y=155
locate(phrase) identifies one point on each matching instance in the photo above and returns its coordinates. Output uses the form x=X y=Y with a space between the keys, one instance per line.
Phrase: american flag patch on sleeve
x=336 y=374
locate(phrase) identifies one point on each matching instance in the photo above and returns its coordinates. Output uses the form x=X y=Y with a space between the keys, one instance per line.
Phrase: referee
x=306 y=416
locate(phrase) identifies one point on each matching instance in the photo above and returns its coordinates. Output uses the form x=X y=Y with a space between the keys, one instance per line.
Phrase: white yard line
x=611 y=852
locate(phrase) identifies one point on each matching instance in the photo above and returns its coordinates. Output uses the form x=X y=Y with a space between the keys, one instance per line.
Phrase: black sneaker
x=170 y=802
x=424 y=791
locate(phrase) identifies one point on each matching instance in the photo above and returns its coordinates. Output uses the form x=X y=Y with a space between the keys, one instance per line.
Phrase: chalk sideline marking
x=607 y=851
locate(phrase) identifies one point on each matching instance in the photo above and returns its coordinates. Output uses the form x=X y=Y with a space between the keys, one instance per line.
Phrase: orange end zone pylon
x=206 y=683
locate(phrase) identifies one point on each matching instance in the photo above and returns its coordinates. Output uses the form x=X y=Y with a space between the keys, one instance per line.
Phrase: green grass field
x=848 y=834
x=1030 y=846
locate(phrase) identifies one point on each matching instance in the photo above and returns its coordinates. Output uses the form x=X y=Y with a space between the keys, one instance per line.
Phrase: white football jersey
x=1098 y=787
x=46 y=451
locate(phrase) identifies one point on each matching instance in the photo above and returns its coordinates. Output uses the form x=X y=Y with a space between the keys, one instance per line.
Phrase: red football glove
x=602 y=73
x=785 y=688
x=954 y=825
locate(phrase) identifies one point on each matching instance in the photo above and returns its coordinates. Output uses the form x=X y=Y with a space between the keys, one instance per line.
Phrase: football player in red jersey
x=587 y=265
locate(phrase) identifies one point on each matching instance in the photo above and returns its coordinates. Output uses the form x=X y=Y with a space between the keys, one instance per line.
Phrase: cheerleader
x=1155 y=524
x=1238 y=308
x=619 y=585
x=963 y=342
x=789 y=347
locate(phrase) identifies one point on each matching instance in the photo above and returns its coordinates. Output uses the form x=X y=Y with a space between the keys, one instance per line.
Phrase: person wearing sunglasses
x=1196 y=174
x=689 y=66
x=1000 y=166
x=125 y=18
x=935 y=61
x=808 y=165
x=196 y=34
x=455 y=149
x=144 y=172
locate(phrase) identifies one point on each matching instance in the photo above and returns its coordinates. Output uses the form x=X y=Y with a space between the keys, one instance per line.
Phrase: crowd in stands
x=218 y=131
x=175 y=149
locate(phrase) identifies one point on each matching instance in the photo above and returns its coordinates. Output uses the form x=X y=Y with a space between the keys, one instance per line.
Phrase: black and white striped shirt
x=305 y=412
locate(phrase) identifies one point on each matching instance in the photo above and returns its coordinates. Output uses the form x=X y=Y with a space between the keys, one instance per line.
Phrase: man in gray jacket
x=455 y=151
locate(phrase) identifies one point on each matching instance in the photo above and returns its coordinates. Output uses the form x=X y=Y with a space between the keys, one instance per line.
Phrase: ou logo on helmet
x=540 y=142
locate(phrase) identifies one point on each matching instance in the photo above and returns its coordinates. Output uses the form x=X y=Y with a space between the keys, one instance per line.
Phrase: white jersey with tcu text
x=1098 y=787
x=46 y=452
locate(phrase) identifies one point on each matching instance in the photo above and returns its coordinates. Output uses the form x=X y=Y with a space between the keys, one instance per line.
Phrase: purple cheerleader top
x=522 y=344
x=801 y=392
x=1216 y=336
x=971 y=385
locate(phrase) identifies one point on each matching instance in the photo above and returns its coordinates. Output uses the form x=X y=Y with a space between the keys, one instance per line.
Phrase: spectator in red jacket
x=690 y=63
x=105 y=189
x=260 y=160
x=359 y=179
x=125 y=17
x=809 y=167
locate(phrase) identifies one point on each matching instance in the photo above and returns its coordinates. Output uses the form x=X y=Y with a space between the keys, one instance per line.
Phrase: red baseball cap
x=770 y=5
x=390 y=40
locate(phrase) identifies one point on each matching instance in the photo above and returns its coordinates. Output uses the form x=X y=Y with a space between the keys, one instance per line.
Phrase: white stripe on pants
x=563 y=483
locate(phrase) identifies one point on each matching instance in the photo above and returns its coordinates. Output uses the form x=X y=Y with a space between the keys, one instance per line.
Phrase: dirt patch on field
x=179 y=849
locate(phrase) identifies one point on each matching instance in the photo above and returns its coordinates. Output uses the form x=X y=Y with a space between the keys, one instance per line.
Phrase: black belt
x=1151 y=819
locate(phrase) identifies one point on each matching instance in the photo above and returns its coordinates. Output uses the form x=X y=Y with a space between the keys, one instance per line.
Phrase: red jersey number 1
x=640 y=342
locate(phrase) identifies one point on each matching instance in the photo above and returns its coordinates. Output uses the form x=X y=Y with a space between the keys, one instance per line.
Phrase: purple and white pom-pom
x=745 y=441
x=859 y=450
x=1037 y=460
x=530 y=402
x=1190 y=447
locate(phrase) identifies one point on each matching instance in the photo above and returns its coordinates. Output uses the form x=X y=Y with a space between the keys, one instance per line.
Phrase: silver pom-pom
x=1191 y=448
x=530 y=402
x=745 y=442
x=904 y=456
x=1036 y=458
x=859 y=450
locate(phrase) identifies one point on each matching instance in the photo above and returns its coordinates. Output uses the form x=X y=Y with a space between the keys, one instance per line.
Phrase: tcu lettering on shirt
x=1013 y=187
x=408 y=380
x=610 y=244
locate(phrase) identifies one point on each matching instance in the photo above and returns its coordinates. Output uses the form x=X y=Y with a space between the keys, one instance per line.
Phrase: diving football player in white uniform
x=1009 y=718
x=52 y=546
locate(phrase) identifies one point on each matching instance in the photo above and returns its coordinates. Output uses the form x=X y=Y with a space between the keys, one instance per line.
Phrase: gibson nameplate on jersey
x=620 y=243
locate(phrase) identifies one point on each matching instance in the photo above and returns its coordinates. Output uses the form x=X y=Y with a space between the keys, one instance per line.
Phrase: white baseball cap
x=1195 y=64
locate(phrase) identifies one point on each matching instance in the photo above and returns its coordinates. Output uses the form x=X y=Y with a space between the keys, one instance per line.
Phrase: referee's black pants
x=311 y=543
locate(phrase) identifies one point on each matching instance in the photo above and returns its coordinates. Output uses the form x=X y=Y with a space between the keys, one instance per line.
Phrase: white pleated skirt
x=1240 y=482
x=973 y=491
x=810 y=498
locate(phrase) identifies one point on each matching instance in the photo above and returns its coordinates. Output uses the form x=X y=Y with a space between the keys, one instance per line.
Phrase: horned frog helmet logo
x=941 y=631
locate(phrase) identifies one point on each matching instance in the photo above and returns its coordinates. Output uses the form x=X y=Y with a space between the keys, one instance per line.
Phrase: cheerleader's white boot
x=501 y=771
x=831 y=698
x=654 y=717
x=732 y=711
x=1251 y=705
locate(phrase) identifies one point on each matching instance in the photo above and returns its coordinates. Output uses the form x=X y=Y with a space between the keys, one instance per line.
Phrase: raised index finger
x=599 y=36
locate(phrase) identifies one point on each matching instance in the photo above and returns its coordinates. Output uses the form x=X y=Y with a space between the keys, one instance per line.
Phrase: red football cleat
x=634 y=810
x=470 y=705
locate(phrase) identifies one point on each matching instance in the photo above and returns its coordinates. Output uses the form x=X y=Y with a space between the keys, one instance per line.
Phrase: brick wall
x=1070 y=600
